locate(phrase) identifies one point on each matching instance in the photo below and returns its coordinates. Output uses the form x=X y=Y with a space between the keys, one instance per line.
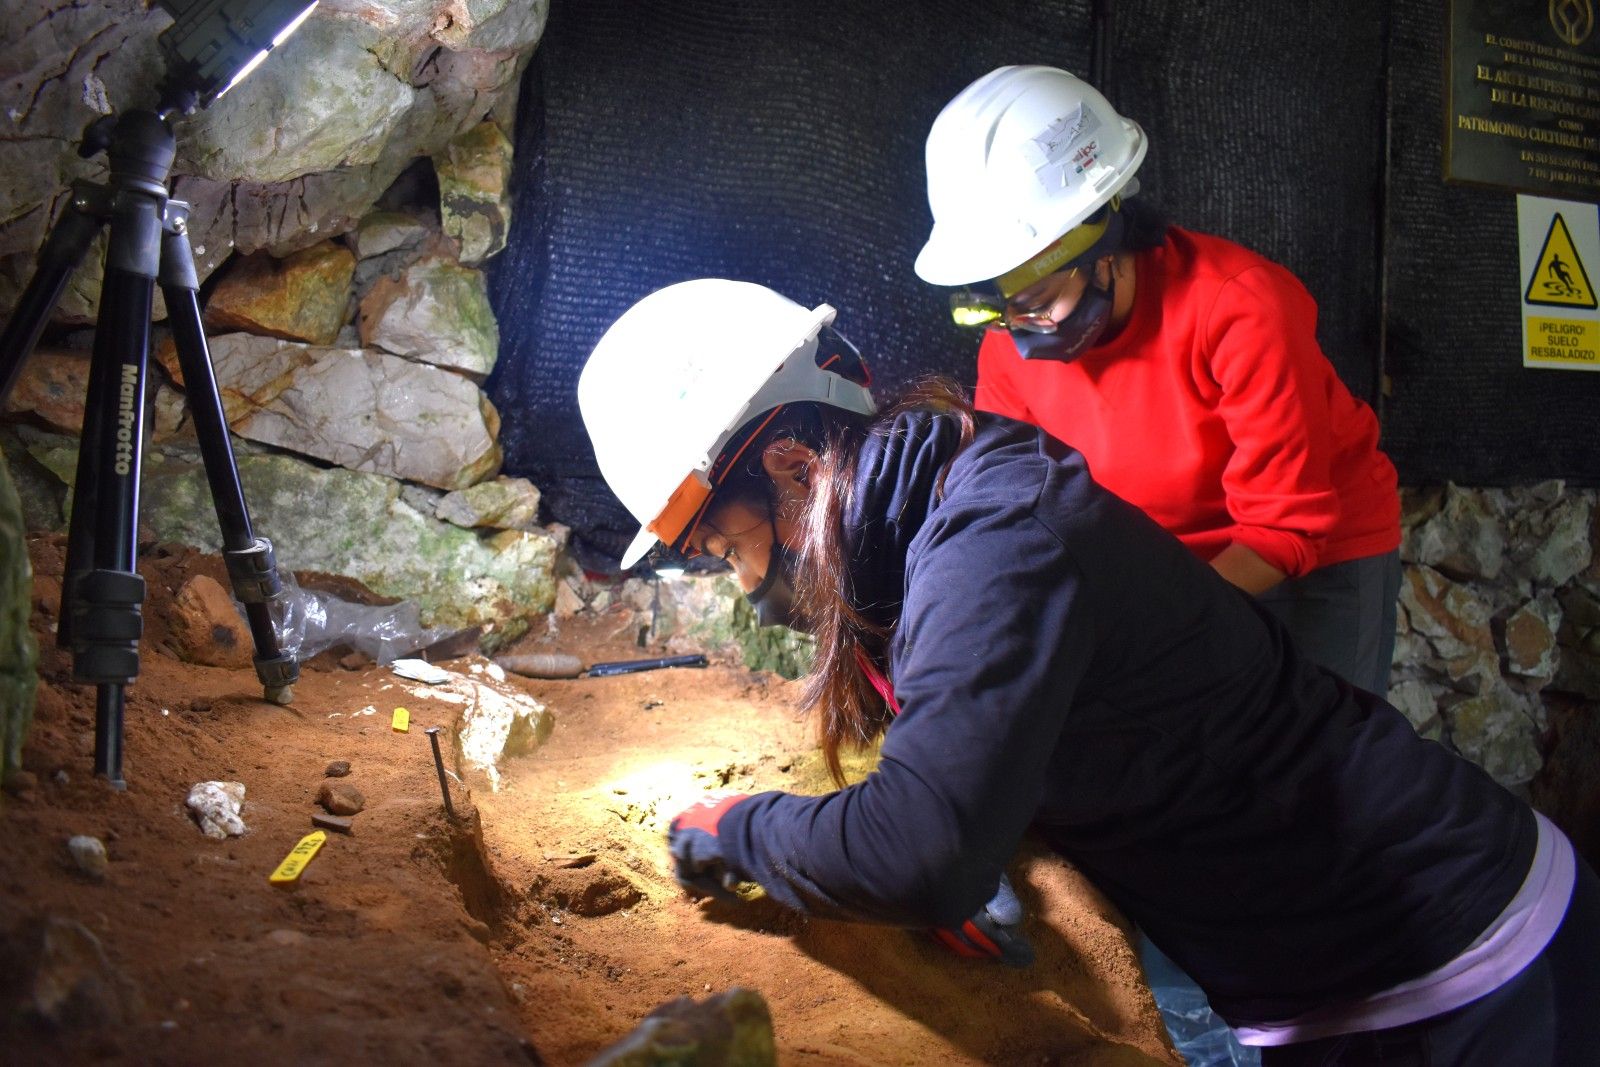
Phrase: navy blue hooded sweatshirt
x=1065 y=666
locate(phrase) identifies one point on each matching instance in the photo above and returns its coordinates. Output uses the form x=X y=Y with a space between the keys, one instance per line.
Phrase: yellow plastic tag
x=401 y=723
x=295 y=862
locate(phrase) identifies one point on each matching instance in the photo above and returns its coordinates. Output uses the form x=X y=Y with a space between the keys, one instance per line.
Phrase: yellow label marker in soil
x=401 y=723
x=295 y=862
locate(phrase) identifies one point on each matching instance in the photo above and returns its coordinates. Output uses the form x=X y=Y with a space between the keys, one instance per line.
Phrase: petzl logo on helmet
x=1573 y=20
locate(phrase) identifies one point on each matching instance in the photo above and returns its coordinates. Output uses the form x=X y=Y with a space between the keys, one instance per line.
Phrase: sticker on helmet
x=1065 y=148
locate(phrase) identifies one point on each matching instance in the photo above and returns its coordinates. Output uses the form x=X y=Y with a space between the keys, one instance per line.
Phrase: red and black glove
x=697 y=858
x=994 y=933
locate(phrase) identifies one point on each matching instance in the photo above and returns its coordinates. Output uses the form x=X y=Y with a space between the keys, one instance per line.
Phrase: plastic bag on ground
x=307 y=622
x=1198 y=1033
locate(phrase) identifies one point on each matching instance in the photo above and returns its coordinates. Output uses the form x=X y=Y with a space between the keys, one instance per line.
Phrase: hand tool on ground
x=438 y=763
x=560 y=665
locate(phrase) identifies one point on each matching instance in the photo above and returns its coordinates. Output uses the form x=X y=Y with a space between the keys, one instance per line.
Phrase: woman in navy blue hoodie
x=1038 y=656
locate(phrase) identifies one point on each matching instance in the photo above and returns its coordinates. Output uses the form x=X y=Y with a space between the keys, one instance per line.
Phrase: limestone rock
x=206 y=628
x=489 y=25
x=1497 y=730
x=341 y=798
x=302 y=297
x=52 y=387
x=497 y=722
x=568 y=600
x=388 y=231
x=639 y=594
x=41 y=493
x=712 y=614
x=278 y=217
x=1455 y=622
x=1578 y=670
x=61 y=977
x=1550 y=533
x=1523 y=560
x=298 y=152
x=216 y=807
x=474 y=200
x=1464 y=539
x=339 y=768
x=421 y=497
x=731 y=1029
x=1529 y=639
x=360 y=409
x=65 y=65
x=503 y=503
x=436 y=312
x=272 y=129
x=19 y=655
x=343 y=522
x=1415 y=700
x=169 y=415
x=282 y=217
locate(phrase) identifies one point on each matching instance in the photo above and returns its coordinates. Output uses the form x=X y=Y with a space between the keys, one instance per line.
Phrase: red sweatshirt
x=1215 y=411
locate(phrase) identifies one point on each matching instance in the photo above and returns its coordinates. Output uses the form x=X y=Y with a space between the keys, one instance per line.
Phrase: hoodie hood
x=891 y=500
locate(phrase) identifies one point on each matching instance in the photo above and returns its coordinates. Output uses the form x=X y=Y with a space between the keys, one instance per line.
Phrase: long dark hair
x=849 y=710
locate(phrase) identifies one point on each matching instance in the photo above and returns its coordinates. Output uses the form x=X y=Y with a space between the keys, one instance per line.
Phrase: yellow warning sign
x=1559 y=279
x=1563 y=341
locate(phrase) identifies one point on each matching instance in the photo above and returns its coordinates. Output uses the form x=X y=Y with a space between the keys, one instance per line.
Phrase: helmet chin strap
x=1076 y=333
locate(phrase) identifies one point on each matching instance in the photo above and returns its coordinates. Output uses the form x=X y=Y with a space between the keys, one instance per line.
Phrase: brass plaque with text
x=1522 y=101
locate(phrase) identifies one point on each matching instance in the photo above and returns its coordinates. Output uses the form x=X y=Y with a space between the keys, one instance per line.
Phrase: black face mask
x=1074 y=334
x=774 y=598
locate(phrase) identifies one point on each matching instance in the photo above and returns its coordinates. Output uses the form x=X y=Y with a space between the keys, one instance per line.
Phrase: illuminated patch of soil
x=602 y=933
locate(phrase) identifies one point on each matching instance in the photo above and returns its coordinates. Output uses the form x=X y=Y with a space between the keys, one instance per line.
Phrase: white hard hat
x=673 y=379
x=1017 y=159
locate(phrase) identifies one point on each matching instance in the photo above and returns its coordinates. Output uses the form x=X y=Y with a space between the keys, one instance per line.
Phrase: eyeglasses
x=975 y=308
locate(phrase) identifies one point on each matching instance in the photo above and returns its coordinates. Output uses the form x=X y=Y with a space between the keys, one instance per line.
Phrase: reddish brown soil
x=543 y=940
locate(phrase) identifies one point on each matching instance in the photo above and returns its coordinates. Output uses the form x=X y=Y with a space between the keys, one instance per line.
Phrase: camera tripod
x=102 y=594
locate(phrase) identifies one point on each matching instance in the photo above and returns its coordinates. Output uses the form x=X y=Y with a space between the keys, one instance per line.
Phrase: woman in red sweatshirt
x=1184 y=367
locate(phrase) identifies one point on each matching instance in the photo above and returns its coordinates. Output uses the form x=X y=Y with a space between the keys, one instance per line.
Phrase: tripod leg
x=251 y=565
x=60 y=256
x=105 y=602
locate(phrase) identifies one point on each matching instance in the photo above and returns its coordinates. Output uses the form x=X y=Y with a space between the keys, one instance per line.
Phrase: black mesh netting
x=1463 y=408
x=782 y=143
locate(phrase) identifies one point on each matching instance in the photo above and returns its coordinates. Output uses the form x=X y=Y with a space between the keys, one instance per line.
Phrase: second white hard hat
x=676 y=376
x=1018 y=158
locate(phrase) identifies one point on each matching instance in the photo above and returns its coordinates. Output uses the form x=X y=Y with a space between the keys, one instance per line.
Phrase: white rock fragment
x=496 y=722
x=216 y=808
x=89 y=854
x=420 y=670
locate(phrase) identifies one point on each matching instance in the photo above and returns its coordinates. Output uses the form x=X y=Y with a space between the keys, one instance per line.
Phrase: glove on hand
x=697 y=854
x=994 y=933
